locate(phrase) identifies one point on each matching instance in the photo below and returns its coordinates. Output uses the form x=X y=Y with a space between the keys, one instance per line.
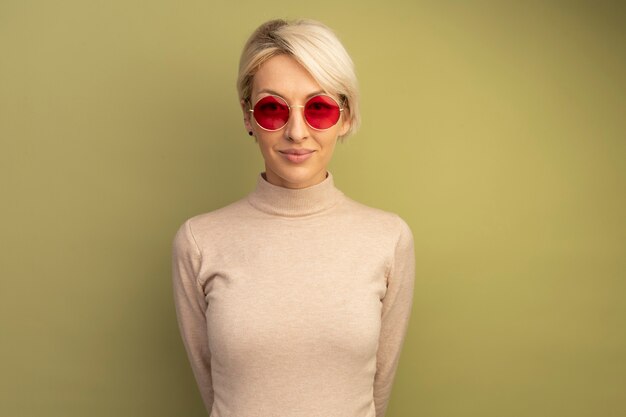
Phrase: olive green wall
x=497 y=131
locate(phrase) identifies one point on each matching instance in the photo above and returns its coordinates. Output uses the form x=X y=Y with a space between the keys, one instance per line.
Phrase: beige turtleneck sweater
x=294 y=302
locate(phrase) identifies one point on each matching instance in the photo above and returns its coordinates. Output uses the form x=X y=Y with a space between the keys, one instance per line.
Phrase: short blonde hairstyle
x=316 y=47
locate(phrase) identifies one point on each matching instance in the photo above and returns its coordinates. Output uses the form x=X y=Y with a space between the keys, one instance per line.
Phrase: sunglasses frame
x=290 y=107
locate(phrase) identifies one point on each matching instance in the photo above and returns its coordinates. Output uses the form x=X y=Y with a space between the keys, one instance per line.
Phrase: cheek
x=266 y=142
x=265 y=149
x=329 y=139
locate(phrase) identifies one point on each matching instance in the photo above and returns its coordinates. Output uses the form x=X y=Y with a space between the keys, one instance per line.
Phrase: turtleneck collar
x=294 y=202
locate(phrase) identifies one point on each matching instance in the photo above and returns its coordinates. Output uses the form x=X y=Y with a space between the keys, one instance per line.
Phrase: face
x=282 y=75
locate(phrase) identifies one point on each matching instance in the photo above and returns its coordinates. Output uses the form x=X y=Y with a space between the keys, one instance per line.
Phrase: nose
x=296 y=129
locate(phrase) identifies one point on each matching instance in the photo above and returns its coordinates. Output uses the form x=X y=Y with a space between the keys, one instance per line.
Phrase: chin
x=296 y=174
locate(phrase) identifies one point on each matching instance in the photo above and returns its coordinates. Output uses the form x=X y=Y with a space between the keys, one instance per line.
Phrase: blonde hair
x=316 y=47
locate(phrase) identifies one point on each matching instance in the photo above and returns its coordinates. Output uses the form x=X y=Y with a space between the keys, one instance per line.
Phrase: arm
x=396 y=311
x=190 y=307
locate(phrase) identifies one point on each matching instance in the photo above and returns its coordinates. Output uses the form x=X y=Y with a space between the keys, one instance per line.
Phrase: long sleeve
x=274 y=322
x=396 y=311
x=190 y=307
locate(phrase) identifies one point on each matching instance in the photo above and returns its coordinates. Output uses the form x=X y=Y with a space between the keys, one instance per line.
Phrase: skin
x=285 y=77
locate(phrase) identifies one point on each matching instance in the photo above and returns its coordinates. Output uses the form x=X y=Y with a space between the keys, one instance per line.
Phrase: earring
x=250 y=132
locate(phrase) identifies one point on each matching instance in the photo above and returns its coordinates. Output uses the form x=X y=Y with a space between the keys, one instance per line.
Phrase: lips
x=296 y=155
x=296 y=151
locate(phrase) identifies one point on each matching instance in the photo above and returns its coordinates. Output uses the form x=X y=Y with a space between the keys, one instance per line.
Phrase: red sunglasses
x=272 y=112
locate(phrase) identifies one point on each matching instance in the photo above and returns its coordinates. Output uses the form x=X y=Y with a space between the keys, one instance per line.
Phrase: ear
x=345 y=123
x=246 y=115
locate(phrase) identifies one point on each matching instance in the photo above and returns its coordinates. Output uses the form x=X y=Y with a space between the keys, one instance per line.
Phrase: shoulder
x=383 y=231
x=387 y=222
x=214 y=222
x=374 y=227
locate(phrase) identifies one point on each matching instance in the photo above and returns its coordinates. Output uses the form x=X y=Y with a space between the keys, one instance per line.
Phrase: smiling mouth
x=296 y=153
x=297 y=158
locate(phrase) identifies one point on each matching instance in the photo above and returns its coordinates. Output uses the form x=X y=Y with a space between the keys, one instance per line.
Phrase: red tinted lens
x=321 y=112
x=271 y=112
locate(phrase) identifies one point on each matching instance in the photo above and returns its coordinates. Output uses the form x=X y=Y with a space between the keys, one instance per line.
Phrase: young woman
x=294 y=301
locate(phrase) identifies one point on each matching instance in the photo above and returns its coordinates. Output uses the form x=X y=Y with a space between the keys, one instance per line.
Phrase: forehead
x=283 y=75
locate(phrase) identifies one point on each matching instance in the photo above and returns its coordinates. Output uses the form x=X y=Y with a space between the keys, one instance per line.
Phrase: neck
x=294 y=202
x=272 y=178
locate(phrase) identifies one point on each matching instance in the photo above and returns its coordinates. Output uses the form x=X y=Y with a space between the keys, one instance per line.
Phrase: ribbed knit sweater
x=294 y=302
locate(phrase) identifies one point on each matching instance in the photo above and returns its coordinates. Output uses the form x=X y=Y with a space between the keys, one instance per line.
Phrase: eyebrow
x=270 y=91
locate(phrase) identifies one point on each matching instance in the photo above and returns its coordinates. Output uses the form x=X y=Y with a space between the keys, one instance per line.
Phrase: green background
x=497 y=130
